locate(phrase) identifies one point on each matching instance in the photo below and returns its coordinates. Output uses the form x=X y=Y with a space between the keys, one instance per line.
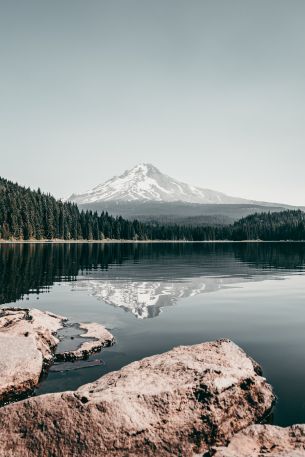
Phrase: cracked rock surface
x=181 y=402
x=266 y=440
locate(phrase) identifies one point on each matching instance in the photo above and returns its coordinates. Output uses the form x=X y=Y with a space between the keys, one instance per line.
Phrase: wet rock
x=178 y=403
x=99 y=338
x=266 y=440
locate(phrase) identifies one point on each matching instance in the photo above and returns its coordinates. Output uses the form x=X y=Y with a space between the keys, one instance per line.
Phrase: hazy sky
x=211 y=92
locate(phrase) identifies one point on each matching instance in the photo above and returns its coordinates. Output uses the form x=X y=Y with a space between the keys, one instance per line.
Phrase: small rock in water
x=96 y=336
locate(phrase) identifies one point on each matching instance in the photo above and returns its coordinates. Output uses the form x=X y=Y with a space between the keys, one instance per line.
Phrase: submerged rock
x=266 y=440
x=178 y=403
x=28 y=339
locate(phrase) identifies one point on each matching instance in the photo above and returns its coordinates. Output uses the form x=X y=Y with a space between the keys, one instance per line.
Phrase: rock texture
x=27 y=342
x=266 y=440
x=99 y=338
x=28 y=339
x=178 y=403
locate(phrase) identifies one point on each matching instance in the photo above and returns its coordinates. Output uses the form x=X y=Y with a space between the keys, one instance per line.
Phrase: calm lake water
x=153 y=297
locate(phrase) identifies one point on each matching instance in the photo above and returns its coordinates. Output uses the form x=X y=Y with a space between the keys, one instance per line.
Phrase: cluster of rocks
x=28 y=340
x=208 y=399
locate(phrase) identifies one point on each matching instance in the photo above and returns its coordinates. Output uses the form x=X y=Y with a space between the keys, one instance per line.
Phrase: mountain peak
x=144 y=168
x=144 y=183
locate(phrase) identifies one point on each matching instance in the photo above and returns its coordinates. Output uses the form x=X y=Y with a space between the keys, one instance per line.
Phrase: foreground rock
x=178 y=403
x=28 y=339
x=27 y=342
x=266 y=440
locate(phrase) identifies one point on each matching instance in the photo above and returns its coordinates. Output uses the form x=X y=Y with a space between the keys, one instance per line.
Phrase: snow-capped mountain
x=145 y=183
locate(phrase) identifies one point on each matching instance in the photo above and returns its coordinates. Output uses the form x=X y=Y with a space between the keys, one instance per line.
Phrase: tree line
x=27 y=214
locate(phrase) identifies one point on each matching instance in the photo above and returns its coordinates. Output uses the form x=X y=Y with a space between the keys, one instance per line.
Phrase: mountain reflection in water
x=264 y=316
x=142 y=278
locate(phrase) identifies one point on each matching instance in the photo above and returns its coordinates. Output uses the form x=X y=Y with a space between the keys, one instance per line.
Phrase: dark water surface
x=156 y=296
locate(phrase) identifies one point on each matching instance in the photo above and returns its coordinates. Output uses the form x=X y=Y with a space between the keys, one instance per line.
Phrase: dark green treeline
x=27 y=214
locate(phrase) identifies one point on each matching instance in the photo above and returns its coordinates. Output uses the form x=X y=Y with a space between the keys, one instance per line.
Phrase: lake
x=153 y=297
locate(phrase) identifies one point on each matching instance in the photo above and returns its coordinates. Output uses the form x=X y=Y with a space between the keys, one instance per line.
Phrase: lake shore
x=114 y=241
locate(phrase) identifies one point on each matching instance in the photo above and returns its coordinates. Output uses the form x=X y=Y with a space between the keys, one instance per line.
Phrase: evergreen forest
x=26 y=214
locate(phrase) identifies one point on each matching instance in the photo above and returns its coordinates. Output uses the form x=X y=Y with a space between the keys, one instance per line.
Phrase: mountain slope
x=146 y=194
x=145 y=183
x=181 y=213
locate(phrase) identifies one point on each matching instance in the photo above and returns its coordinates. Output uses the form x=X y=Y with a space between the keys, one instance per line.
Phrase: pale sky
x=212 y=92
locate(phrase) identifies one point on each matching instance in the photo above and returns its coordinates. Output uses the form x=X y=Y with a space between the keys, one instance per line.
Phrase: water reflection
x=142 y=278
x=266 y=318
x=145 y=299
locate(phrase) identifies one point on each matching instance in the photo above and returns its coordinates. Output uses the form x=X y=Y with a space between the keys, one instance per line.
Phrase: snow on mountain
x=145 y=183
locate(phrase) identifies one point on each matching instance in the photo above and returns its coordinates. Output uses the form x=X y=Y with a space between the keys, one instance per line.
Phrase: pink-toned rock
x=27 y=342
x=99 y=338
x=266 y=440
x=178 y=403
x=28 y=339
x=32 y=323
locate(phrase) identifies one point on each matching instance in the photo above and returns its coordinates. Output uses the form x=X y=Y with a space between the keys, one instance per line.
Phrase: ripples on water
x=156 y=296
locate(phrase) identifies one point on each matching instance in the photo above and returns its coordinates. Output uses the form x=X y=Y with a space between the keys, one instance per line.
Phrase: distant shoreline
x=113 y=241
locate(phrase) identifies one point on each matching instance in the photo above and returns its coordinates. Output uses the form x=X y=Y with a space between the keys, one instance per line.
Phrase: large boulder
x=178 y=403
x=266 y=440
